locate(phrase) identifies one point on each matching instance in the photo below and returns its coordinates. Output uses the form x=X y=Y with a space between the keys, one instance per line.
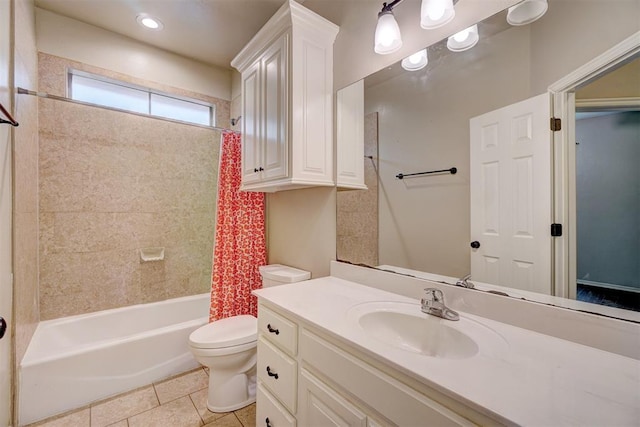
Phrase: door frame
x=564 y=157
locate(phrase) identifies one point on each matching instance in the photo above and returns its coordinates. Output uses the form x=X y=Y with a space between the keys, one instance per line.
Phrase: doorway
x=597 y=183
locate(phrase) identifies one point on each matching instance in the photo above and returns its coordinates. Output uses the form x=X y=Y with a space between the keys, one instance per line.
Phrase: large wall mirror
x=429 y=120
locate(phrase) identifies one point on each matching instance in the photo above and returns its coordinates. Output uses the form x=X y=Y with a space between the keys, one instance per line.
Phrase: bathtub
x=73 y=361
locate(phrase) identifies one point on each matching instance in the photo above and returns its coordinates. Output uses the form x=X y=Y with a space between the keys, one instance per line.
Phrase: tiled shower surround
x=112 y=183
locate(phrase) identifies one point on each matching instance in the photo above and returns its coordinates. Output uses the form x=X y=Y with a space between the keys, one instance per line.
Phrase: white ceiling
x=210 y=31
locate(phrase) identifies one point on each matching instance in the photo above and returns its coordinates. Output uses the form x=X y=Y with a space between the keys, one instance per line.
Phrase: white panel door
x=511 y=196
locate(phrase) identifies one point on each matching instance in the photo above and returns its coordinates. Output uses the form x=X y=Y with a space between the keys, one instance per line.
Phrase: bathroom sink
x=403 y=326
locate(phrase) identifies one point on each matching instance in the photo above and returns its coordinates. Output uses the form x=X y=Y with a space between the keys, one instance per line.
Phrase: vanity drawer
x=400 y=403
x=280 y=331
x=267 y=407
x=278 y=373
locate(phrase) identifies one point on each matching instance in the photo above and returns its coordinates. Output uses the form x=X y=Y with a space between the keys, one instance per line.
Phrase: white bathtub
x=76 y=360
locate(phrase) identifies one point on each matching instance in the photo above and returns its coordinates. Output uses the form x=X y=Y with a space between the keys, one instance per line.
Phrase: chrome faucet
x=464 y=282
x=433 y=303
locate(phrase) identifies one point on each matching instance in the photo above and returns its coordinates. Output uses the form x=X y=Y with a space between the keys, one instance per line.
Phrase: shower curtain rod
x=22 y=91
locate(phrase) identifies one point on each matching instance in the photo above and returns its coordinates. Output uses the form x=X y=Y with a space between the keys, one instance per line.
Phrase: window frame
x=149 y=92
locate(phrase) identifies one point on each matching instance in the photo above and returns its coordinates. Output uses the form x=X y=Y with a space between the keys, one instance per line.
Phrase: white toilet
x=228 y=348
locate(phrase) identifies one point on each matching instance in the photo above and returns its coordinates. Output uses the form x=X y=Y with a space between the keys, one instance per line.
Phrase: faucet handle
x=464 y=282
x=433 y=295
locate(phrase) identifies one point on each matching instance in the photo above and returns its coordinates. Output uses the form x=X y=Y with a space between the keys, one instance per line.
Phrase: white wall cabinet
x=287 y=102
x=323 y=382
x=350 y=137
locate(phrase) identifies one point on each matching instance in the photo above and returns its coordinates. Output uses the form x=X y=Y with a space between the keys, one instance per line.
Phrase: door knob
x=475 y=244
x=3 y=327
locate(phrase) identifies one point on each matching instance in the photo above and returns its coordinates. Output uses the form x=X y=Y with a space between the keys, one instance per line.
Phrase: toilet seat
x=228 y=332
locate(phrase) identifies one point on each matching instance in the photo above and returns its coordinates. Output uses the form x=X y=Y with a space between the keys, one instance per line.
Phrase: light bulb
x=149 y=21
x=416 y=62
x=461 y=36
x=436 y=13
x=387 y=37
x=463 y=40
x=416 y=58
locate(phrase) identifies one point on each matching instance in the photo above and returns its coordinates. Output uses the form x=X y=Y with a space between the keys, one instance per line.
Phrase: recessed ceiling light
x=149 y=21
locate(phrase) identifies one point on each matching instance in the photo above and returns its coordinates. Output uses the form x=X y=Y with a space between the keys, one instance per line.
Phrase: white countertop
x=533 y=379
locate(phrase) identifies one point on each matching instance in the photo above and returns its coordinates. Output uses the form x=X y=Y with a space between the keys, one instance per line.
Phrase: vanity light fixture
x=436 y=13
x=149 y=22
x=463 y=40
x=416 y=62
x=526 y=12
x=387 y=38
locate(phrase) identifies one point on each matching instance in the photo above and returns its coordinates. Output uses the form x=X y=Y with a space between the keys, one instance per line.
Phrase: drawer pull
x=271 y=374
x=273 y=331
x=266 y=420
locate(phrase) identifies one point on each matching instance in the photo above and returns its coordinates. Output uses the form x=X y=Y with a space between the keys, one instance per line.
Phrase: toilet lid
x=227 y=332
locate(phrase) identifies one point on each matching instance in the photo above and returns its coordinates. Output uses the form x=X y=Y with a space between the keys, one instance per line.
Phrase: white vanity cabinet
x=324 y=382
x=287 y=102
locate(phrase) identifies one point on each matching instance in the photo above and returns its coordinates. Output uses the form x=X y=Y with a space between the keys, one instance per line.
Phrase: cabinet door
x=275 y=93
x=350 y=136
x=251 y=144
x=321 y=406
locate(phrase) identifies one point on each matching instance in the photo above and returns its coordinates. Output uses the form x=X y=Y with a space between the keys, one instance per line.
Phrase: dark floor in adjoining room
x=627 y=300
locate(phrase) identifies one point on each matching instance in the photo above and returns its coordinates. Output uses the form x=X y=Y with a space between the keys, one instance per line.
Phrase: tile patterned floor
x=180 y=401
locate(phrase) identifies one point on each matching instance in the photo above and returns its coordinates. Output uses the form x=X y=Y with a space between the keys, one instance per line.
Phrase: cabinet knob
x=267 y=423
x=255 y=170
x=272 y=330
x=475 y=244
x=260 y=169
x=271 y=374
x=3 y=326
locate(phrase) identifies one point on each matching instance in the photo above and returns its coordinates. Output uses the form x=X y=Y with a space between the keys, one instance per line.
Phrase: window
x=123 y=96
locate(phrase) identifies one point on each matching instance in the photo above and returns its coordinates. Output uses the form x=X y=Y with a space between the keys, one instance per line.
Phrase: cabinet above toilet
x=287 y=102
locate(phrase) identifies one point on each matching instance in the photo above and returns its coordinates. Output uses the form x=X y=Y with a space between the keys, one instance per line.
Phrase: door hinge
x=556 y=124
x=556 y=230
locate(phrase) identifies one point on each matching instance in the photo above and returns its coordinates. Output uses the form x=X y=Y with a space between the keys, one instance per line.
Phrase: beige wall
x=25 y=216
x=579 y=31
x=623 y=82
x=301 y=228
x=112 y=183
x=6 y=207
x=25 y=170
x=68 y=38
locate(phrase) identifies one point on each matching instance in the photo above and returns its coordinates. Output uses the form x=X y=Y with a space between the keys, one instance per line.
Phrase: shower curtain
x=240 y=246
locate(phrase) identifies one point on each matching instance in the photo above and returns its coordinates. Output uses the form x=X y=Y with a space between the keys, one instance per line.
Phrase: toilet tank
x=276 y=274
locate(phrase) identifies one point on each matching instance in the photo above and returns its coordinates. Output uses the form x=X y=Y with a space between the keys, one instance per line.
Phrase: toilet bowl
x=228 y=348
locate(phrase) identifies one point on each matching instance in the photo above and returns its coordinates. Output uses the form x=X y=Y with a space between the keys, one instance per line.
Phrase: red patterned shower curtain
x=240 y=246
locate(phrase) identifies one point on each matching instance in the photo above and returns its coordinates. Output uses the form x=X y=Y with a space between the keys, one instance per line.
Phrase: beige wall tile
x=178 y=413
x=247 y=415
x=181 y=386
x=229 y=420
x=112 y=183
x=199 y=399
x=124 y=406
